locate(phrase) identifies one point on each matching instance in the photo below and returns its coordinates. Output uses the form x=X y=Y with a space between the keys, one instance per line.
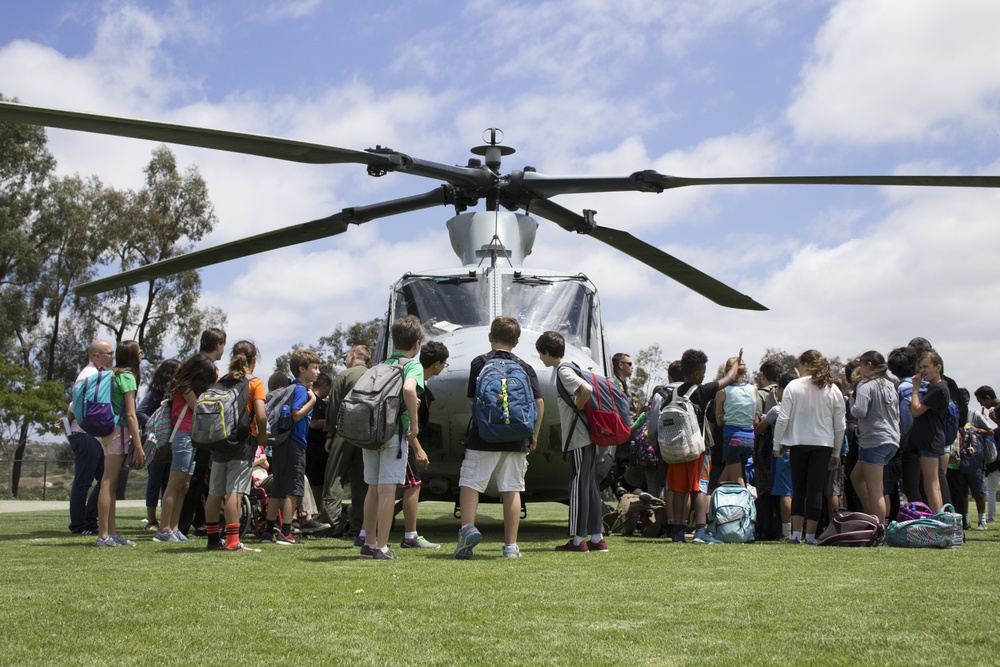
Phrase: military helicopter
x=457 y=306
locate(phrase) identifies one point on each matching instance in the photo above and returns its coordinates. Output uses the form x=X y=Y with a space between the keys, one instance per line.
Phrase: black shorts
x=288 y=470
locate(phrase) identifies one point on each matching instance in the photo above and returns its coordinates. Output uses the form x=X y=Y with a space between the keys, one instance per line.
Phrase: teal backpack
x=943 y=530
x=732 y=514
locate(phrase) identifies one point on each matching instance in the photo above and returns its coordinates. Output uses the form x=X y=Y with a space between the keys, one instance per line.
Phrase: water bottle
x=285 y=420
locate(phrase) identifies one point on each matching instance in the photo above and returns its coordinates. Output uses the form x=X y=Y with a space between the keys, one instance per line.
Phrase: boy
x=385 y=467
x=689 y=481
x=508 y=459
x=586 y=510
x=288 y=462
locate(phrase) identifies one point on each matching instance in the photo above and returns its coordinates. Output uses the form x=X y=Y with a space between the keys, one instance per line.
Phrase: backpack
x=914 y=510
x=278 y=433
x=678 y=435
x=92 y=403
x=371 y=411
x=852 y=529
x=732 y=514
x=158 y=429
x=971 y=450
x=942 y=530
x=606 y=413
x=644 y=453
x=503 y=407
x=221 y=422
x=951 y=424
x=980 y=420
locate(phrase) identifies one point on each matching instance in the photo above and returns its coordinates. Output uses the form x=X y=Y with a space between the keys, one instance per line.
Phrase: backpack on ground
x=372 y=409
x=278 y=429
x=914 y=510
x=503 y=407
x=221 y=422
x=92 y=403
x=642 y=514
x=606 y=413
x=852 y=529
x=732 y=514
x=678 y=435
x=943 y=530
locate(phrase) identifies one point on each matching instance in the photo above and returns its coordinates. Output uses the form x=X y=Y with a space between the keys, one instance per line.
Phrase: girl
x=126 y=379
x=875 y=405
x=811 y=423
x=156 y=482
x=735 y=407
x=192 y=378
x=927 y=435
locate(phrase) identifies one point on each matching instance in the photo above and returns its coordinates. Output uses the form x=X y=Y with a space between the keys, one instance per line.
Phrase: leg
x=386 y=507
x=411 y=502
x=106 y=500
x=359 y=488
x=371 y=514
x=177 y=485
x=871 y=488
x=860 y=487
x=797 y=463
x=817 y=472
x=511 y=515
x=930 y=468
x=468 y=502
x=87 y=465
x=992 y=480
x=332 y=497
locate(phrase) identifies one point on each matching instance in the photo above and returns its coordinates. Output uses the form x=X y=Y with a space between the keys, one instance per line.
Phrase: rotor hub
x=493 y=151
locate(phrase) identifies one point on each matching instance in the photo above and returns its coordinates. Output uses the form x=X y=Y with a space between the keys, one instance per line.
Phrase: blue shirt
x=300 y=429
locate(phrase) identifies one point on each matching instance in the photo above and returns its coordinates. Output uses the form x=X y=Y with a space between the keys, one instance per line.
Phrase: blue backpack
x=951 y=424
x=732 y=514
x=503 y=407
x=92 y=403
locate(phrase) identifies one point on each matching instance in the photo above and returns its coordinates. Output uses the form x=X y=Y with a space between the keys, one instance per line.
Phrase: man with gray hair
x=88 y=456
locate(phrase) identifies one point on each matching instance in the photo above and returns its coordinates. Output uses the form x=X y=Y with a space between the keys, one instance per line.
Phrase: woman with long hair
x=192 y=378
x=811 y=423
x=116 y=445
x=874 y=403
x=735 y=408
x=927 y=435
x=156 y=481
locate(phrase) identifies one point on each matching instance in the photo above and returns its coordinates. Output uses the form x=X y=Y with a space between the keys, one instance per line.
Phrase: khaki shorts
x=387 y=464
x=229 y=477
x=478 y=467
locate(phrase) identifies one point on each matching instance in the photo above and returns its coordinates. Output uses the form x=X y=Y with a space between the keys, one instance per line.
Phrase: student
x=157 y=474
x=316 y=454
x=781 y=470
x=88 y=456
x=116 y=445
x=734 y=412
x=193 y=377
x=433 y=359
x=288 y=462
x=984 y=424
x=927 y=435
x=875 y=404
x=385 y=467
x=230 y=476
x=811 y=422
x=689 y=481
x=507 y=460
x=586 y=509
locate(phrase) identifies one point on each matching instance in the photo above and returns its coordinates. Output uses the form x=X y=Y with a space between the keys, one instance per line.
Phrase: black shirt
x=927 y=432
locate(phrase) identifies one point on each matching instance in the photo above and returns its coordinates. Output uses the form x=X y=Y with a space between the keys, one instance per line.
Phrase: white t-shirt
x=581 y=434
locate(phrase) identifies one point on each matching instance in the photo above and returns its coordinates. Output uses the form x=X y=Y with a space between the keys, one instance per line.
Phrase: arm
x=191 y=399
x=139 y=456
x=917 y=407
x=720 y=407
x=582 y=395
x=730 y=377
x=783 y=414
x=261 y=418
x=306 y=409
x=839 y=425
x=540 y=409
x=412 y=404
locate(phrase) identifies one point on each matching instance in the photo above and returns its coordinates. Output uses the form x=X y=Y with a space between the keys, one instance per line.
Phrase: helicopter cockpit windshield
x=556 y=303
x=445 y=302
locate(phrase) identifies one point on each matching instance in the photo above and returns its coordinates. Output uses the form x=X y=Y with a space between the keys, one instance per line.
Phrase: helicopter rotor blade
x=667 y=264
x=543 y=186
x=279 y=238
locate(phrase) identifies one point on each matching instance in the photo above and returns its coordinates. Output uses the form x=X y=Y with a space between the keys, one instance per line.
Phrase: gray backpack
x=277 y=432
x=221 y=422
x=371 y=411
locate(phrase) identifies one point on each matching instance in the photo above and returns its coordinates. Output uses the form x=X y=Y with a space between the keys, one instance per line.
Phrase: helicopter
x=457 y=305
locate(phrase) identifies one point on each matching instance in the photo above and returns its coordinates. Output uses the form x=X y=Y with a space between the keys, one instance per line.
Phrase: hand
x=328 y=444
x=833 y=463
x=916 y=381
x=739 y=357
x=532 y=444
x=421 y=456
x=138 y=457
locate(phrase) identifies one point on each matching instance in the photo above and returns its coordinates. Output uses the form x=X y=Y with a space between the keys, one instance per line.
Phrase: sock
x=597 y=537
x=269 y=526
x=286 y=529
x=786 y=529
x=361 y=534
x=410 y=536
x=811 y=539
x=700 y=527
x=796 y=534
x=213 y=533
x=232 y=535
x=577 y=540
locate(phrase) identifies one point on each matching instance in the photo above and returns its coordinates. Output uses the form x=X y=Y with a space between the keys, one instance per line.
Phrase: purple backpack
x=911 y=511
x=92 y=403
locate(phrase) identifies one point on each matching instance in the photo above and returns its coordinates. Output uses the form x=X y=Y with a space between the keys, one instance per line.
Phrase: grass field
x=646 y=602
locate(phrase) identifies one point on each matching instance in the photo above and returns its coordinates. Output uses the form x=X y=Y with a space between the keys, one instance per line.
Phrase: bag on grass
x=606 y=414
x=221 y=422
x=92 y=403
x=732 y=514
x=852 y=529
x=914 y=510
x=943 y=530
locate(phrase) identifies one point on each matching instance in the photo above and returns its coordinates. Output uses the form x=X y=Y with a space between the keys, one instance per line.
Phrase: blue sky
x=709 y=88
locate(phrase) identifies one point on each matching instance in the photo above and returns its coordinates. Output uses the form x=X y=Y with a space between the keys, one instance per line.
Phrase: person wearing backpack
x=156 y=473
x=586 y=509
x=985 y=423
x=88 y=456
x=735 y=407
x=229 y=479
x=116 y=445
x=508 y=460
x=689 y=480
x=288 y=462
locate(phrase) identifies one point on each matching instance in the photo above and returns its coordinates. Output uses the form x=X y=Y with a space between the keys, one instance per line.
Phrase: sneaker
x=418 y=542
x=109 y=542
x=792 y=540
x=981 y=526
x=313 y=526
x=597 y=546
x=359 y=541
x=240 y=548
x=88 y=531
x=122 y=542
x=153 y=527
x=281 y=538
x=165 y=536
x=385 y=555
x=468 y=537
x=580 y=548
x=181 y=537
x=511 y=551
x=367 y=552
x=677 y=538
x=218 y=546
x=704 y=537
x=267 y=538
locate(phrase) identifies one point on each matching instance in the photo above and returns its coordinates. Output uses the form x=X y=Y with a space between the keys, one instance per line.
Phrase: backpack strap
x=564 y=394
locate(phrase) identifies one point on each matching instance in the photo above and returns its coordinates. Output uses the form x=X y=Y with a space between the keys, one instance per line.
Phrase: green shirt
x=123 y=384
x=414 y=370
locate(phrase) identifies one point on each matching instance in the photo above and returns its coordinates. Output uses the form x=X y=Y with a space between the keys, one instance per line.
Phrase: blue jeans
x=156 y=482
x=88 y=469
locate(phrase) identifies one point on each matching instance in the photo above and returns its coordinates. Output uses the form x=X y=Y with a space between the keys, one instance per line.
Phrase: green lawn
x=646 y=602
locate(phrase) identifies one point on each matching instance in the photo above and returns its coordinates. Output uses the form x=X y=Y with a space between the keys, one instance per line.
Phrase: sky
x=706 y=88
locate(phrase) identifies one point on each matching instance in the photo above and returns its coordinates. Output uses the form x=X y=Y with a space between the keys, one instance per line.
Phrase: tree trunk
x=15 y=466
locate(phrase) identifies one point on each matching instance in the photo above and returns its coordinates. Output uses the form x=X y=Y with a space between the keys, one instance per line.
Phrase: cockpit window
x=541 y=303
x=444 y=303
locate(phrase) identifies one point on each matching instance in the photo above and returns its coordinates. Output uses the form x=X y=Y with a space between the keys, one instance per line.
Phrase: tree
x=650 y=370
x=790 y=363
x=333 y=349
x=26 y=404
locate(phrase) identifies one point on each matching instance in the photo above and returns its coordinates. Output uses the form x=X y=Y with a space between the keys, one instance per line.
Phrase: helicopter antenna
x=493 y=152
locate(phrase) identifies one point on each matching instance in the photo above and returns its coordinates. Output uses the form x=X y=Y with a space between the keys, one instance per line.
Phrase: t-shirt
x=569 y=416
x=257 y=391
x=927 y=432
x=176 y=405
x=124 y=383
x=473 y=441
x=300 y=429
x=411 y=371
x=701 y=397
x=876 y=407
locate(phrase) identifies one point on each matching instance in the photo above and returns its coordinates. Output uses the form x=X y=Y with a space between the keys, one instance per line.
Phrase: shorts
x=835 y=481
x=229 y=477
x=737 y=444
x=877 y=456
x=115 y=443
x=976 y=480
x=690 y=477
x=288 y=471
x=385 y=465
x=781 y=475
x=183 y=450
x=928 y=454
x=412 y=471
x=478 y=467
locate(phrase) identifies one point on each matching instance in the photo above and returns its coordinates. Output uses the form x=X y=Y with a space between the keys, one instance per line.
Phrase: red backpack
x=606 y=413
